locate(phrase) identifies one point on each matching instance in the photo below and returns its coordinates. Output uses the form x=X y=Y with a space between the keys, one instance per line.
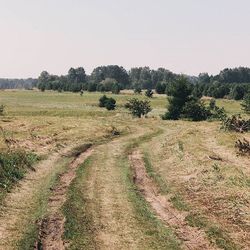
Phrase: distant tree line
x=229 y=83
x=17 y=83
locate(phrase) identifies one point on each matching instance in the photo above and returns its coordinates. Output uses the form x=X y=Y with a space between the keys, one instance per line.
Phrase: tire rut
x=193 y=238
x=52 y=227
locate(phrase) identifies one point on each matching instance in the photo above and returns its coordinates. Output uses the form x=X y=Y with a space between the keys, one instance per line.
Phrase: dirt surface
x=52 y=227
x=193 y=238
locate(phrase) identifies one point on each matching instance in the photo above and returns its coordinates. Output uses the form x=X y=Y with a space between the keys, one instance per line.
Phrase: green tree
x=179 y=92
x=246 y=103
x=160 y=88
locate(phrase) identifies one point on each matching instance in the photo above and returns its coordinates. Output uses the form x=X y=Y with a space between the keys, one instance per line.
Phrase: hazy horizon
x=187 y=37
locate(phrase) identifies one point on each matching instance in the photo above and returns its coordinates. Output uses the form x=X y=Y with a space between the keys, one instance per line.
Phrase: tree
x=237 y=92
x=179 y=92
x=149 y=93
x=138 y=108
x=160 y=88
x=246 y=103
x=195 y=110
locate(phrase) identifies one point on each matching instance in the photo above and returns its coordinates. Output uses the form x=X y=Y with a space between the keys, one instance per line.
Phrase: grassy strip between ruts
x=78 y=225
x=159 y=236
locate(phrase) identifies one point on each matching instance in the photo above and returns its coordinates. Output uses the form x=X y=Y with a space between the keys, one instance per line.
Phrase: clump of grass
x=220 y=238
x=178 y=203
x=194 y=220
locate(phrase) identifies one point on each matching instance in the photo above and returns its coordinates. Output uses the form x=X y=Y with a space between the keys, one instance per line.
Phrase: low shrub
x=108 y=103
x=138 y=108
x=149 y=93
x=2 y=110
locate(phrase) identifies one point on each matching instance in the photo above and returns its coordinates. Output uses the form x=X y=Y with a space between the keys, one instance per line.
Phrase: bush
x=212 y=104
x=2 y=110
x=102 y=101
x=138 y=108
x=149 y=93
x=108 y=103
x=160 y=88
x=246 y=103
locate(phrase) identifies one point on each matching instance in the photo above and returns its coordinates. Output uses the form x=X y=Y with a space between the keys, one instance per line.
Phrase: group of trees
x=17 y=83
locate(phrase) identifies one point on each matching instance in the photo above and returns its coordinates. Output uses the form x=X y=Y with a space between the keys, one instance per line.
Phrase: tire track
x=193 y=238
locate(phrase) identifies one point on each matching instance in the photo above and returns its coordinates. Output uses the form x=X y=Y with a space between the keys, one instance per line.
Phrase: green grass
x=79 y=225
x=14 y=164
x=164 y=188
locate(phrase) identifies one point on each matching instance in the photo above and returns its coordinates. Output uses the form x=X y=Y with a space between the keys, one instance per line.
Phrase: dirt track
x=193 y=238
x=52 y=227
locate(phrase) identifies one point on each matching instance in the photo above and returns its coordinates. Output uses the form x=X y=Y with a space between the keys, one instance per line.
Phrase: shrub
x=160 y=88
x=137 y=107
x=149 y=93
x=2 y=109
x=195 y=110
x=108 y=103
x=212 y=104
x=102 y=101
x=246 y=103
x=137 y=90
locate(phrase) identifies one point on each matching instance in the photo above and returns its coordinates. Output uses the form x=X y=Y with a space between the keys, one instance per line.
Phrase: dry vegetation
x=193 y=166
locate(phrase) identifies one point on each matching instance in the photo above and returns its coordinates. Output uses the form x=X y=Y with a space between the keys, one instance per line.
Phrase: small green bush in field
x=137 y=107
x=2 y=109
x=108 y=103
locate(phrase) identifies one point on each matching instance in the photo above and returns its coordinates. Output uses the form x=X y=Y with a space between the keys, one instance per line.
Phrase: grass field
x=104 y=207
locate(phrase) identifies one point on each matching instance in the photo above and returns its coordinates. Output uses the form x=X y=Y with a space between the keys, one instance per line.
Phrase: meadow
x=192 y=167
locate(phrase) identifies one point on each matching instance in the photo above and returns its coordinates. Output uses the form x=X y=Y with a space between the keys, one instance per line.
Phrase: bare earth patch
x=193 y=238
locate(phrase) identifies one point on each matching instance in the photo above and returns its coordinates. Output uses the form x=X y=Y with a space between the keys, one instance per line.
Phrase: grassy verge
x=78 y=226
x=13 y=167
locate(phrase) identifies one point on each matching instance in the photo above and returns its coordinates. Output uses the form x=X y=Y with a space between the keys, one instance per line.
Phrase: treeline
x=229 y=83
x=17 y=83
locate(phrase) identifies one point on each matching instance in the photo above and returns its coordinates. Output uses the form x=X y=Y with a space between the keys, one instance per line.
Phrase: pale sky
x=185 y=36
